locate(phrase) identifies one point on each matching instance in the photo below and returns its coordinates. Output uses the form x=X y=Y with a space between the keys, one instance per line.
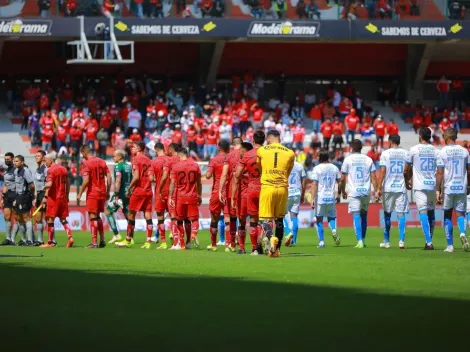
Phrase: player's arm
x=171 y=191
x=117 y=183
x=47 y=187
x=236 y=182
x=408 y=171
x=468 y=179
x=199 y=188
x=109 y=181
x=381 y=178
x=342 y=186
x=223 y=179
x=314 y=192
x=375 y=184
x=67 y=189
x=162 y=181
x=439 y=178
x=4 y=190
x=304 y=188
x=135 y=179
x=290 y=166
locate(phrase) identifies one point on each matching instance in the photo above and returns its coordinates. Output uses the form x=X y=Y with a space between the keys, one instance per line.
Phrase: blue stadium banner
x=410 y=29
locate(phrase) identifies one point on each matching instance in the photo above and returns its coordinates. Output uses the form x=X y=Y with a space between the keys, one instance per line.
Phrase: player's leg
x=50 y=230
x=331 y=213
x=187 y=231
x=293 y=212
x=364 y=208
x=135 y=204
x=213 y=230
x=354 y=209
x=266 y=211
x=448 y=229
x=320 y=231
x=109 y=212
x=288 y=222
x=253 y=212
x=431 y=212
x=460 y=206
x=161 y=229
x=387 y=205
x=93 y=216
x=402 y=208
x=221 y=227
x=281 y=196
x=422 y=204
x=7 y=215
x=192 y=214
x=148 y=229
x=39 y=220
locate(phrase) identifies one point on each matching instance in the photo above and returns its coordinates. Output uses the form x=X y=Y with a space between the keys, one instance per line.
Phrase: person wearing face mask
x=178 y=101
x=444 y=125
x=225 y=131
x=7 y=198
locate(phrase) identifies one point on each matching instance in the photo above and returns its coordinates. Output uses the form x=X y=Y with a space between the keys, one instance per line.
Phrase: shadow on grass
x=20 y=256
x=77 y=310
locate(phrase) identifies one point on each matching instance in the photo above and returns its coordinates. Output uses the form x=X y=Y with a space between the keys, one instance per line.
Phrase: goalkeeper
x=122 y=180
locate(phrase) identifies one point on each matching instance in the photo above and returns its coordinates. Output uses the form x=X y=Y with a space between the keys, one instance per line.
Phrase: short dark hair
x=323 y=156
x=159 y=146
x=20 y=157
x=247 y=146
x=274 y=133
x=259 y=137
x=395 y=139
x=10 y=154
x=425 y=133
x=224 y=145
x=140 y=145
x=451 y=133
x=183 y=151
x=174 y=146
x=85 y=148
x=236 y=141
x=42 y=152
x=356 y=145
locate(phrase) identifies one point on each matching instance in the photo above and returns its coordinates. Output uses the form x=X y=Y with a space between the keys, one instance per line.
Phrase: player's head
x=119 y=155
x=138 y=147
x=86 y=151
x=236 y=142
x=159 y=148
x=323 y=156
x=424 y=135
x=9 y=159
x=450 y=135
x=223 y=146
x=183 y=153
x=394 y=140
x=259 y=137
x=173 y=148
x=356 y=146
x=19 y=161
x=40 y=156
x=50 y=159
x=273 y=136
x=245 y=147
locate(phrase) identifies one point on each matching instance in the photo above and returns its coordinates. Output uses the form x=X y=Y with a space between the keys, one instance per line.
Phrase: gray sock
x=8 y=229
x=40 y=228
x=14 y=231
x=29 y=231
x=23 y=232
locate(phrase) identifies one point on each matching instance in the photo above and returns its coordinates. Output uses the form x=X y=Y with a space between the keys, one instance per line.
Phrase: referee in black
x=24 y=184
x=39 y=183
x=8 y=197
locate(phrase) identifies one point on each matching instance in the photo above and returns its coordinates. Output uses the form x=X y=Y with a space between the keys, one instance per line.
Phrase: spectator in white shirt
x=269 y=124
x=134 y=121
x=225 y=131
x=288 y=138
x=310 y=100
x=336 y=99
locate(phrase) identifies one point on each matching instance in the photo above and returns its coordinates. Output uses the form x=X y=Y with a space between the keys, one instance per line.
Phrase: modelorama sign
x=284 y=29
x=25 y=27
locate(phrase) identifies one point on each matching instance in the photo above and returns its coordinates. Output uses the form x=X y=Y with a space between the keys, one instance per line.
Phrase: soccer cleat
x=155 y=239
x=274 y=241
x=254 y=252
x=188 y=246
x=21 y=243
x=116 y=238
x=194 y=242
x=91 y=246
x=449 y=249
x=429 y=247
x=47 y=245
x=221 y=243
x=289 y=240
x=146 y=245
x=336 y=237
x=266 y=245
x=171 y=236
x=277 y=253
x=124 y=244
x=464 y=241
x=7 y=242
x=385 y=245
x=102 y=244
x=211 y=248
x=241 y=251
x=69 y=243
x=175 y=248
x=29 y=244
x=37 y=244
x=359 y=244
x=401 y=245
x=321 y=245
x=227 y=250
x=163 y=246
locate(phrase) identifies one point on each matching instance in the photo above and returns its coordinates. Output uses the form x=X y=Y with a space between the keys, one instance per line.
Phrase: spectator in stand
x=466 y=118
x=177 y=136
x=200 y=142
x=443 y=87
x=134 y=120
x=288 y=138
x=338 y=130
x=44 y=8
x=392 y=128
x=298 y=134
x=336 y=99
x=70 y=8
x=329 y=111
x=455 y=10
x=139 y=8
x=256 y=8
x=326 y=129
x=280 y=6
x=457 y=92
x=90 y=132
x=313 y=10
x=367 y=133
x=301 y=9
x=225 y=131
x=211 y=140
x=316 y=115
x=427 y=118
x=206 y=8
x=454 y=119
x=47 y=135
x=380 y=127
x=444 y=125
x=344 y=108
x=156 y=9
x=358 y=104
x=352 y=126
x=374 y=154
x=351 y=12
x=315 y=144
x=414 y=8
x=257 y=119
x=384 y=9
x=103 y=138
x=269 y=124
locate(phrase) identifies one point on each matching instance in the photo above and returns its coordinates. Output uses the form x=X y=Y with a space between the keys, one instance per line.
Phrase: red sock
x=100 y=229
x=254 y=237
x=228 y=237
x=187 y=230
x=130 y=230
x=233 y=232
x=181 y=231
x=174 y=229
x=94 y=231
x=149 y=230
x=213 y=230
x=50 y=233
x=242 y=236
x=68 y=231
x=194 y=228
x=161 y=230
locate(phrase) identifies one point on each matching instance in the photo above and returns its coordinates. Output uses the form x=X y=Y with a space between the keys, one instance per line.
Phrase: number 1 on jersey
x=275 y=160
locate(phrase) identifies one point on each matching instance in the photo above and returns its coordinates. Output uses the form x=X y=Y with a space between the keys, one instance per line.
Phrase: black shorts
x=39 y=198
x=24 y=203
x=8 y=199
x=338 y=140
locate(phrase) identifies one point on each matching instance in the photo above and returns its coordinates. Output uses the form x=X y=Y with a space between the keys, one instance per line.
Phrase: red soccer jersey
x=211 y=139
x=351 y=122
x=177 y=137
x=216 y=166
x=392 y=129
x=61 y=133
x=326 y=129
x=157 y=165
x=244 y=185
x=143 y=165
x=96 y=170
x=380 y=128
x=58 y=175
x=185 y=175
x=444 y=126
x=232 y=160
x=337 y=128
x=91 y=133
x=250 y=166
x=191 y=135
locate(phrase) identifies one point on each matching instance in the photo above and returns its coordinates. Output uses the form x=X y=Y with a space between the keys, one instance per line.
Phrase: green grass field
x=337 y=298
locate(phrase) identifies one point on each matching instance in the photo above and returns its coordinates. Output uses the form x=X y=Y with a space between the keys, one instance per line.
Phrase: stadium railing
x=329 y=10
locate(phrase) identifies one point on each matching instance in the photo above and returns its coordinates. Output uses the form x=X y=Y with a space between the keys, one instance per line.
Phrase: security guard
x=39 y=182
x=24 y=184
x=7 y=199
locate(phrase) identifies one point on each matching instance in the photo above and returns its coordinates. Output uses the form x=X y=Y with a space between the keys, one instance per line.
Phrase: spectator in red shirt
x=44 y=103
x=200 y=141
x=326 y=129
x=380 y=127
x=90 y=134
x=257 y=117
x=427 y=119
x=392 y=128
x=46 y=137
x=61 y=136
x=345 y=107
x=177 y=136
x=298 y=134
x=338 y=129
x=444 y=125
x=352 y=125
x=211 y=140
x=457 y=92
x=417 y=121
x=443 y=87
x=316 y=115
x=374 y=154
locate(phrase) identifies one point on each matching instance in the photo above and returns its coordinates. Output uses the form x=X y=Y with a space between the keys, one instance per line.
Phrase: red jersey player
x=214 y=171
x=186 y=184
x=161 y=197
x=97 y=183
x=239 y=197
x=140 y=194
x=249 y=164
x=230 y=213
x=56 y=200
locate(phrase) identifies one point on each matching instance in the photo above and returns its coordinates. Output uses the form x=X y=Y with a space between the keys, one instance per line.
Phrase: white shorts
x=325 y=210
x=395 y=202
x=358 y=204
x=455 y=201
x=293 y=204
x=425 y=200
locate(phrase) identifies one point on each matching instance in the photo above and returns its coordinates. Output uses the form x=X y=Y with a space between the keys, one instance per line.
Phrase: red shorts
x=253 y=202
x=216 y=207
x=187 y=211
x=161 y=205
x=140 y=203
x=242 y=207
x=57 y=209
x=95 y=205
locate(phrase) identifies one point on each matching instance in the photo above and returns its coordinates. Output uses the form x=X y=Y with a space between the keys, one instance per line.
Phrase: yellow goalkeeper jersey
x=276 y=163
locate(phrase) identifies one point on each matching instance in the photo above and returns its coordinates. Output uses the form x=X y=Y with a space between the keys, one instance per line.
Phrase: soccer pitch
x=337 y=298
